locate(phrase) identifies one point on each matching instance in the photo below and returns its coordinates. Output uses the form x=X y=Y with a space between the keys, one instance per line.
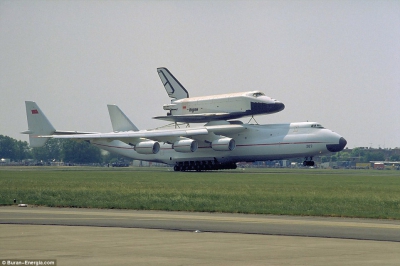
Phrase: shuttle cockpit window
x=317 y=126
x=258 y=94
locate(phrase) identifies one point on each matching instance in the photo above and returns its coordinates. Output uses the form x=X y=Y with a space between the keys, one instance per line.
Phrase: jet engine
x=186 y=145
x=147 y=147
x=223 y=144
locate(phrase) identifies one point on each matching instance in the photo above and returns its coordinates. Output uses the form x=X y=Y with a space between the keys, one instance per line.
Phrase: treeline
x=364 y=155
x=54 y=150
x=70 y=151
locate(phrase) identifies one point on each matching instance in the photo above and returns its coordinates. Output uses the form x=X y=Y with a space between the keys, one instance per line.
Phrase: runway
x=194 y=238
x=344 y=228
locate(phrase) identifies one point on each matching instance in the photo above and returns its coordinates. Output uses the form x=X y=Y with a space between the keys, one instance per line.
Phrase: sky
x=332 y=62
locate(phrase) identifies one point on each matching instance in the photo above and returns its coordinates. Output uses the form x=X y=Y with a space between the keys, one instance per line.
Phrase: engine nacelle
x=185 y=145
x=224 y=144
x=147 y=147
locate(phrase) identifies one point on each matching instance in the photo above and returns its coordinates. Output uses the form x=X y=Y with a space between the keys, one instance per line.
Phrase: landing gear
x=308 y=161
x=199 y=166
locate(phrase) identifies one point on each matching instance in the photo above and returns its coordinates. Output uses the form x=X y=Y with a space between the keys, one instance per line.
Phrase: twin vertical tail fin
x=119 y=121
x=173 y=87
x=38 y=124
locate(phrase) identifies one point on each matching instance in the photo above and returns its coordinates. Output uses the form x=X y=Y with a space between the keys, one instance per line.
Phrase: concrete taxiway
x=126 y=237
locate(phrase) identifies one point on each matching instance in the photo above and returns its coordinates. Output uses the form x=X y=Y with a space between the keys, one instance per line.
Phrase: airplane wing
x=60 y=132
x=63 y=132
x=205 y=134
x=133 y=137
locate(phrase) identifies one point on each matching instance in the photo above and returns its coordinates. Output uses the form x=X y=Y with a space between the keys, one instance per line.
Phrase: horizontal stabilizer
x=39 y=125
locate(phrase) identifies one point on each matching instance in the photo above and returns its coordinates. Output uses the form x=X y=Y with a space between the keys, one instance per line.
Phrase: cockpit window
x=258 y=94
x=316 y=126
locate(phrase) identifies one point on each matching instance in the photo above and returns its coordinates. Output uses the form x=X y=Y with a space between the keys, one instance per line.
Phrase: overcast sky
x=333 y=62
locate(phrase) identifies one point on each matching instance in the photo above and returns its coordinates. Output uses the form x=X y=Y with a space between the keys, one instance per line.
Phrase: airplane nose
x=337 y=147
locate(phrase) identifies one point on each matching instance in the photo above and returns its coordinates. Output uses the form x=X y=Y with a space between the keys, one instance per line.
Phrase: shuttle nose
x=337 y=147
x=266 y=108
x=279 y=106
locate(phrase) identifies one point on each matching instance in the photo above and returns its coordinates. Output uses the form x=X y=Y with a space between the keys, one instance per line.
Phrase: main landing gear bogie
x=308 y=161
x=199 y=166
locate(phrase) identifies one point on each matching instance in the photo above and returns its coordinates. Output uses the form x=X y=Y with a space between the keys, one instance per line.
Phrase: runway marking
x=117 y=215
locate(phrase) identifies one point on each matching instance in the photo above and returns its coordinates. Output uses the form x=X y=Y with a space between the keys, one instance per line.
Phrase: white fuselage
x=221 y=107
x=253 y=143
x=223 y=103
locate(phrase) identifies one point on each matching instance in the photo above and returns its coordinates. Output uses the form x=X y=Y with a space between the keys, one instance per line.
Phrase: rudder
x=173 y=87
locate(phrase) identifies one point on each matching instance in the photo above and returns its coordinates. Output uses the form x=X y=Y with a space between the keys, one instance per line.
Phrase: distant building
x=5 y=161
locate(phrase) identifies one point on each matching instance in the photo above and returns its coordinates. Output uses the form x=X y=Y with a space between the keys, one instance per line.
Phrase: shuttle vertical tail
x=119 y=121
x=38 y=124
x=173 y=87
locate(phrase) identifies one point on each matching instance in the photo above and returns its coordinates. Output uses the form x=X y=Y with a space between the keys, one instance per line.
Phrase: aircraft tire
x=207 y=166
x=308 y=163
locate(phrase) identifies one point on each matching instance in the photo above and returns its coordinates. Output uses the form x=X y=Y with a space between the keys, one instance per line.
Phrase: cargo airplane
x=214 y=107
x=216 y=145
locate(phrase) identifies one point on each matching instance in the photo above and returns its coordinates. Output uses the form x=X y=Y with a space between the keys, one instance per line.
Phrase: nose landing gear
x=308 y=161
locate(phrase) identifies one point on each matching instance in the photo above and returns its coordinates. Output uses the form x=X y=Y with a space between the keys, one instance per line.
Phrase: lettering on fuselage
x=192 y=110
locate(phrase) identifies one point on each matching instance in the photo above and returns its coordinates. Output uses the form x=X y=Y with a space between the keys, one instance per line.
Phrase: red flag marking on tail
x=34 y=111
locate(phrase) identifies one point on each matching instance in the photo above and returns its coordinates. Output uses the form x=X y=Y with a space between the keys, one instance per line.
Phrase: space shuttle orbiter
x=214 y=107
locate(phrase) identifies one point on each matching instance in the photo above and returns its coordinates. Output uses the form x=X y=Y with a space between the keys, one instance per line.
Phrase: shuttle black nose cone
x=337 y=147
x=266 y=108
x=279 y=107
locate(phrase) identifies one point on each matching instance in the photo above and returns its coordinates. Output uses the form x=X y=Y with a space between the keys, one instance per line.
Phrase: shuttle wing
x=200 y=118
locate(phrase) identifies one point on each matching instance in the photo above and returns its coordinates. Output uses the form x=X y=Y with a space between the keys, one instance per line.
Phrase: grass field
x=340 y=193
